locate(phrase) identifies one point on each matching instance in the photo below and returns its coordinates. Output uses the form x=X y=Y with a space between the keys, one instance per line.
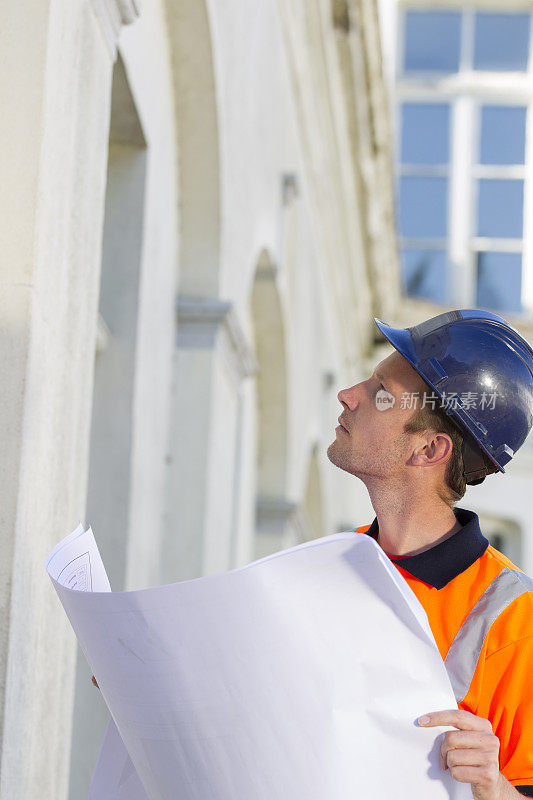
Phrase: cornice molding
x=206 y=323
x=112 y=15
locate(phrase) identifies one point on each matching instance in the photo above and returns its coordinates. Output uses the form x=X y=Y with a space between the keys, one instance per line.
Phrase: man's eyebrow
x=380 y=376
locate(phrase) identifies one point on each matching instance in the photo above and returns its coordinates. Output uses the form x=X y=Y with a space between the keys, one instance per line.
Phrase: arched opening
x=112 y=426
x=199 y=168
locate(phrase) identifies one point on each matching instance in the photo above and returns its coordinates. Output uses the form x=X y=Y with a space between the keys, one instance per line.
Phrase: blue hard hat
x=468 y=354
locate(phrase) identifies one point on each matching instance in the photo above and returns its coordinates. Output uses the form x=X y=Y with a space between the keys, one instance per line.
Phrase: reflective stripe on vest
x=462 y=657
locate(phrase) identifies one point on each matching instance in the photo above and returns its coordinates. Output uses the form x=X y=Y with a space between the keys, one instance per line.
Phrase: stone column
x=54 y=93
x=211 y=360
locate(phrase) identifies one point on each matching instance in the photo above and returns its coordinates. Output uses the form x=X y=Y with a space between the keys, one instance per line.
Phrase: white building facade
x=197 y=229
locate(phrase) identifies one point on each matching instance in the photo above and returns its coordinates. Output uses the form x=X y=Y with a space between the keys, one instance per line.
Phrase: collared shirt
x=448 y=580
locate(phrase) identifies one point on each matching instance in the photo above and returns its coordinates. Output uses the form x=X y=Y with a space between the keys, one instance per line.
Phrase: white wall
x=245 y=147
x=53 y=92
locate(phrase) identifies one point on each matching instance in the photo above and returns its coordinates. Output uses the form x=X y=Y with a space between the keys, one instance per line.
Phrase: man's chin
x=337 y=457
x=330 y=452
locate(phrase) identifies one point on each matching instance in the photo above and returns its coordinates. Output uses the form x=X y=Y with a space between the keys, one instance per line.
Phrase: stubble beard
x=344 y=460
x=382 y=465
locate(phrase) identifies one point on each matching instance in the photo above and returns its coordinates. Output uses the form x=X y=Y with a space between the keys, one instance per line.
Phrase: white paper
x=76 y=563
x=299 y=676
x=115 y=777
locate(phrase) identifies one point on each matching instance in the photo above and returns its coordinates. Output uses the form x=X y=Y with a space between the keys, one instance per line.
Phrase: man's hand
x=95 y=682
x=471 y=754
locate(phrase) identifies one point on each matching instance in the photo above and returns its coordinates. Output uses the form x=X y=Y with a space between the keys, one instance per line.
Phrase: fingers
x=485 y=755
x=465 y=739
x=463 y=720
x=470 y=758
x=471 y=751
x=477 y=776
x=466 y=747
x=94 y=681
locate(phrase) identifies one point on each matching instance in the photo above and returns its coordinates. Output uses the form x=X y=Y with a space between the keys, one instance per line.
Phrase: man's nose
x=348 y=397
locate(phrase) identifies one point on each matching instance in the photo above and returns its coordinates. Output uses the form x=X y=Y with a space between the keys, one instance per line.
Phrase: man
x=415 y=435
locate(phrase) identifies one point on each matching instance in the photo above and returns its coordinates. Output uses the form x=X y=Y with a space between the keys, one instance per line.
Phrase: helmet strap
x=475 y=468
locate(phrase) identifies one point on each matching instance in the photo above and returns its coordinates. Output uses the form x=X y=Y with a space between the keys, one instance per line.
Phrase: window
x=423 y=198
x=423 y=207
x=435 y=41
x=424 y=274
x=501 y=42
x=499 y=281
x=503 y=135
x=432 y=41
x=500 y=208
x=425 y=133
x=463 y=110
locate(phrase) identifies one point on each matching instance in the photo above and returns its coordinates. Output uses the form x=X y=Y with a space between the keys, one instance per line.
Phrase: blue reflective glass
x=501 y=41
x=499 y=281
x=423 y=207
x=424 y=274
x=503 y=135
x=425 y=133
x=500 y=208
x=432 y=41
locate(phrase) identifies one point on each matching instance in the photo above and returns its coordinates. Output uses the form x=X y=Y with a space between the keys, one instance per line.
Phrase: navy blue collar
x=445 y=561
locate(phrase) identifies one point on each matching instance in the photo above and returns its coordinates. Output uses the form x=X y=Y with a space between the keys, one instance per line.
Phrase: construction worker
x=451 y=405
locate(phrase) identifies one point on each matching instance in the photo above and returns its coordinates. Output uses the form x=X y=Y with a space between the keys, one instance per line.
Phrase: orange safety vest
x=480 y=609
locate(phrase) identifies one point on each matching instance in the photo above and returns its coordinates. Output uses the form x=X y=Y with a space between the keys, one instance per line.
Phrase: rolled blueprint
x=300 y=675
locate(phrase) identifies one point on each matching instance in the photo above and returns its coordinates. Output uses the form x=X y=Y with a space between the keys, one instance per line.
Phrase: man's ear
x=436 y=449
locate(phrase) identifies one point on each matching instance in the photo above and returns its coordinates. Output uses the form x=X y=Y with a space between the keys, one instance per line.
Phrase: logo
x=384 y=400
x=450 y=400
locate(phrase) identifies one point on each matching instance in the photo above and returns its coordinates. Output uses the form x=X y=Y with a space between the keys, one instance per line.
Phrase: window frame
x=467 y=91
